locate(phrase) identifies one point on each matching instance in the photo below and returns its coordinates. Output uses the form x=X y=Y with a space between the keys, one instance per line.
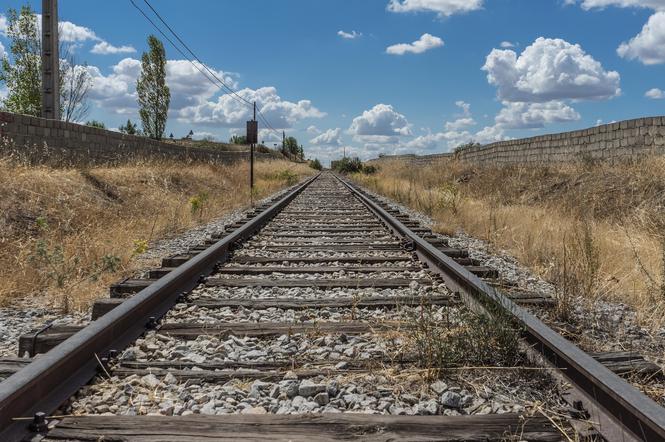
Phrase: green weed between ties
x=465 y=340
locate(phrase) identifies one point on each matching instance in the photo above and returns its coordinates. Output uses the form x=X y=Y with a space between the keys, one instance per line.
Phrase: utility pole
x=251 y=157
x=50 y=61
x=283 y=142
x=252 y=139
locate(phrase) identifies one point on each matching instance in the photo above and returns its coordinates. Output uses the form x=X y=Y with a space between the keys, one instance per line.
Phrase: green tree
x=291 y=147
x=95 y=123
x=315 y=164
x=130 y=128
x=23 y=78
x=238 y=139
x=154 y=95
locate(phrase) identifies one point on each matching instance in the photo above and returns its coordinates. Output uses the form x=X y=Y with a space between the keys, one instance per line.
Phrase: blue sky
x=382 y=76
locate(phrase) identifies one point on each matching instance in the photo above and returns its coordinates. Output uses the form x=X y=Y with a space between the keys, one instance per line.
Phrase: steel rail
x=618 y=410
x=48 y=381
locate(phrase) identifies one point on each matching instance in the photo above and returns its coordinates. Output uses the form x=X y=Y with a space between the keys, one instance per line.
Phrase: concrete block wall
x=56 y=142
x=625 y=140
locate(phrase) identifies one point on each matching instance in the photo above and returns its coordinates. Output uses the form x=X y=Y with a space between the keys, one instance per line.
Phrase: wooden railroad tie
x=306 y=428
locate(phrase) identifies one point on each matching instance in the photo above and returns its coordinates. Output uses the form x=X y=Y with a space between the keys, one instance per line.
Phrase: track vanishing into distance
x=315 y=319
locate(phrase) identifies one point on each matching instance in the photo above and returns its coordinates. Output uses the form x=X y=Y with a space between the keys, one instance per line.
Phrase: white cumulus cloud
x=535 y=115
x=116 y=92
x=444 y=8
x=3 y=24
x=507 y=44
x=424 y=43
x=381 y=124
x=655 y=94
x=549 y=69
x=331 y=137
x=460 y=123
x=456 y=133
x=591 y=4
x=649 y=45
x=228 y=111
x=349 y=35
x=464 y=121
x=69 y=32
x=104 y=48
x=194 y=99
x=72 y=33
x=189 y=87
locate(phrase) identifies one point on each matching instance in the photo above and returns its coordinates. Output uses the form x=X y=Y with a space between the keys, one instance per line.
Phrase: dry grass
x=68 y=233
x=593 y=229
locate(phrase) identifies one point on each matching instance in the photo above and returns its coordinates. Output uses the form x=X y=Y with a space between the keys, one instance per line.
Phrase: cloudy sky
x=381 y=76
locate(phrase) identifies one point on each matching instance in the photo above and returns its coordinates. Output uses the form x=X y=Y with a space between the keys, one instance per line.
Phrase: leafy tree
x=291 y=148
x=238 y=139
x=316 y=164
x=95 y=123
x=131 y=128
x=154 y=95
x=23 y=78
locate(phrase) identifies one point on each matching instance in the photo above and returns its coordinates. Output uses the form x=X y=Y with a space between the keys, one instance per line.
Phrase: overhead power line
x=175 y=46
x=175 y=34
x=209 y=74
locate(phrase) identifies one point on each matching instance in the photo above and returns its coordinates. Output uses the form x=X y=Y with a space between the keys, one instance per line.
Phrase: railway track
x=324 y=316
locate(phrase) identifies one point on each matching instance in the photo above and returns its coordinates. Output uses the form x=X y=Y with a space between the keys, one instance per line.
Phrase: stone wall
x=625 y=140
x=37 y=140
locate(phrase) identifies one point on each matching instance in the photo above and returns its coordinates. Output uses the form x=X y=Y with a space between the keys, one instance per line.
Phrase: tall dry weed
x=594 y=229
x=67 y=233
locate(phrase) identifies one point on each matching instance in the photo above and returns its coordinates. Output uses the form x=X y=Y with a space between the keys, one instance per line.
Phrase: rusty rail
x=44 y=384
x=618 y=410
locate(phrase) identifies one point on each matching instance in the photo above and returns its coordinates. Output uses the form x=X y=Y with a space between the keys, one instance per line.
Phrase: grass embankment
x=595 y=230
x=226 y=147
x=68 y=233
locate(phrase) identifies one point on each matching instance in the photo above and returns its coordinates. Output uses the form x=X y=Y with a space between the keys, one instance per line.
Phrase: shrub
x=369 y=169
x=468 y=145
x=197 y=202
x=287 y=175
x=353 y=165
x=316 y=164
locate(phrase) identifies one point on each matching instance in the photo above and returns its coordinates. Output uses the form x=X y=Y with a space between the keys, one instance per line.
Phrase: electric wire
x=213 y=74
x=173 y=44
x=220 y=83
